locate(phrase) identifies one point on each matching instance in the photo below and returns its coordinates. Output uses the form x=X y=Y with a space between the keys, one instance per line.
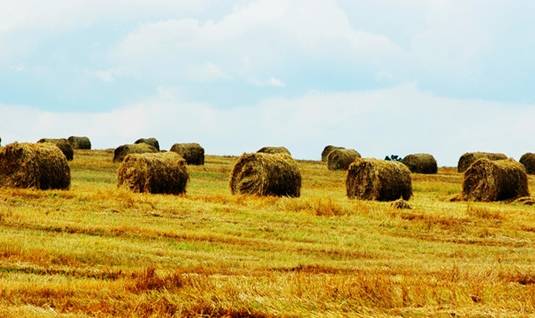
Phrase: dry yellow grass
x=96 y=250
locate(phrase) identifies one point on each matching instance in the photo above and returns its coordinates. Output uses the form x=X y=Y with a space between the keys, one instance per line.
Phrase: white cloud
x=188 y=46
x=454 y=38
x=17 y=67
x=26 y=24
x=270 y=82
x=106 y=76
x=253 y=39
x=205 y=72
x=442 y=45
x=400 y=120
x=56 y=15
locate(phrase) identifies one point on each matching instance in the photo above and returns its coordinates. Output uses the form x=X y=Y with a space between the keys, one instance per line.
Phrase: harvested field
x=96 y=250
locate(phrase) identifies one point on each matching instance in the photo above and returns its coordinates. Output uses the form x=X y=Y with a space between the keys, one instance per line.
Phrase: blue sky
x=383 y=76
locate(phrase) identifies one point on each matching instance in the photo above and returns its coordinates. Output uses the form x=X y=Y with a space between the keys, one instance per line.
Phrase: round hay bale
x=122 y=151
x=327 y=150
x=495 y=180
x=266 y=174
x=525 y=201
x=151 y=141
x=153 y=173
x=381 y=180
x=528 y=160
x=63 y=144
x=470 y=157
x=80 y=142
x=192 y=152
x=455 y=197
x=421 y=163
x=340 y=159
x=275 y=150
x=401 y=204
x=40 y=166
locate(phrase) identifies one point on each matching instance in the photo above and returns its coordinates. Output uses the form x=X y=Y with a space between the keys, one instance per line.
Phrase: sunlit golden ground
x=100 y=251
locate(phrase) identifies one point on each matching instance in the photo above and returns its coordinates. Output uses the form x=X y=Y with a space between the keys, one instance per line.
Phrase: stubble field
x=96 y=250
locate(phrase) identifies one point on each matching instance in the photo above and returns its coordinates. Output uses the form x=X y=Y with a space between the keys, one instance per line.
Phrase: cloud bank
x=383 y=76
x=398 y=120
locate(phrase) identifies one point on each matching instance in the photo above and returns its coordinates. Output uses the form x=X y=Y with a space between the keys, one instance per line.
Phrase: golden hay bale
x=62 y=144
x=528 y=160
x=266 y=174
x=274 y=150
x=122 y=151
x=455 y=197
x=154 y=173
x=151 y=141
x=327 y=150
x=421 y=163
x=340 y=159
x=470 y=157
x=381 y=180
x=525 y=201
x=192 y=152
x=80 y=142
x=40 y=166
x=401 y=204
x=495 y=180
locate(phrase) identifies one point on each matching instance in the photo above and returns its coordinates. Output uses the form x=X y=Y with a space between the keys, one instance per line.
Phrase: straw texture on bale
x=327 y=150
x=192 y=152
x=525 y=201
x=154 y=173
x=39 y=166
x=151 y=141
x=340 y=159
x=63 y=144
x=421 y=163
x=470 y=157
x=275 y=150
x=122 y=151
x=401 y=204
x=495 y=180
x=528 y=160
x=266 y=174
x=380 y=180
x=80 y=142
